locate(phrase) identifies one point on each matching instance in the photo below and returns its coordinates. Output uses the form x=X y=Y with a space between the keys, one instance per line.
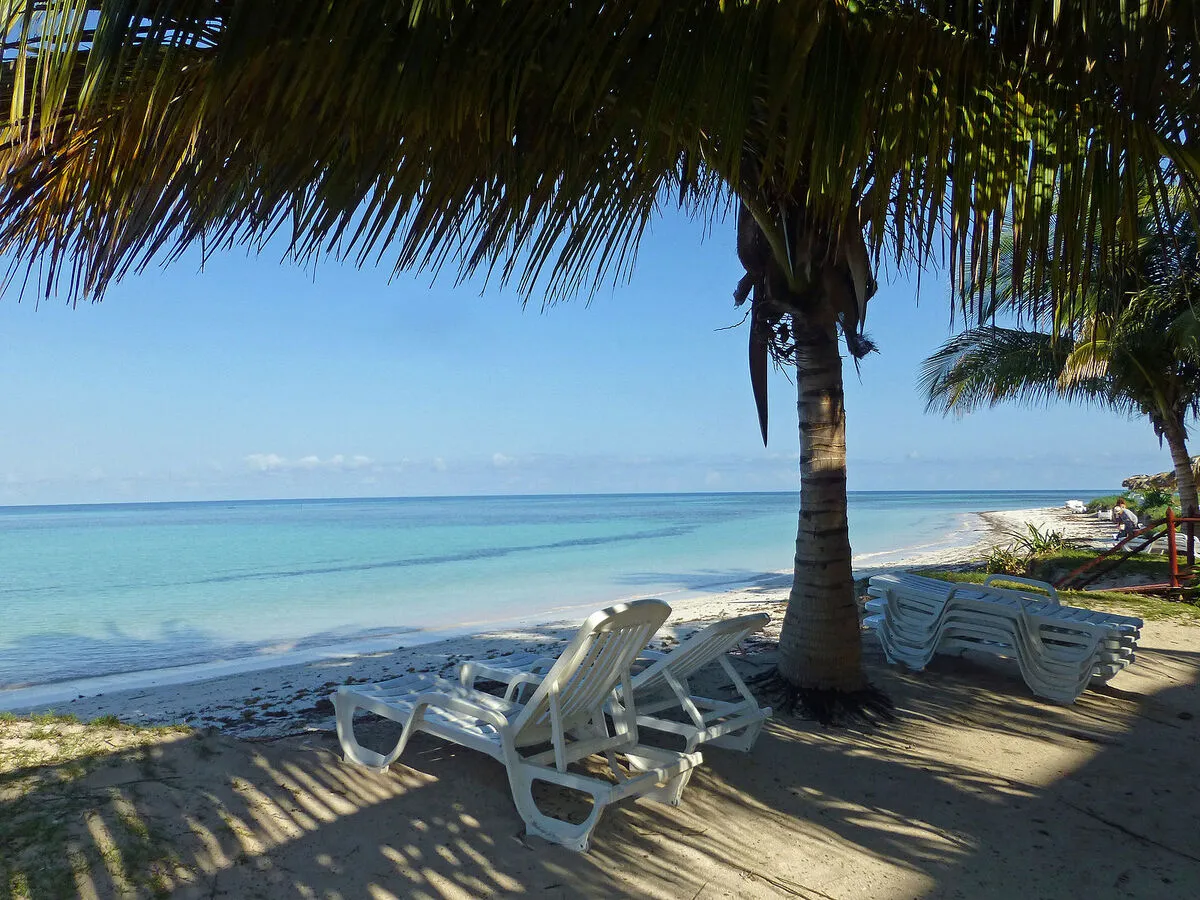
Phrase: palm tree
x=536 y=141
x=1134 y=348
x=1139 y=363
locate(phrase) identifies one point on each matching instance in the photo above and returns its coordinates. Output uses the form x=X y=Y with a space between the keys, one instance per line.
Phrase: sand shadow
x=978 y=789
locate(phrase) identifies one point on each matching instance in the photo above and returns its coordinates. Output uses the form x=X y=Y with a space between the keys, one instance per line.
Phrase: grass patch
x=1143 y=606
x=47 y=802
x=1052 y=566
x=1052 y=563
x=53 y=718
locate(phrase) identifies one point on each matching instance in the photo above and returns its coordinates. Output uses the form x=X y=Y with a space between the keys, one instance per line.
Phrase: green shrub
x=1154 y=513
x=1106 y=502
x=1035 y=543
x=1155 y=503
x=1019 y=556
x=1149 y=504
x=1005 y=561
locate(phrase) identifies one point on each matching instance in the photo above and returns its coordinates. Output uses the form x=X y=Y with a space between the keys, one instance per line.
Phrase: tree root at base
x=869 y=706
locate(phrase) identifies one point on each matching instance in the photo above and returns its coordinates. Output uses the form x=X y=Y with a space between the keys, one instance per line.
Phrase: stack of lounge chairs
x=1060 y=649
x=590 y=700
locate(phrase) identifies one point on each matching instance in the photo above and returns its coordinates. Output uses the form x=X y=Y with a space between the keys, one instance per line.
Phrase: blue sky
x=253 y=379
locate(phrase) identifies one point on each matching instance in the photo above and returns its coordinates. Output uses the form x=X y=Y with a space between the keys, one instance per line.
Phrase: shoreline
x=270 y=697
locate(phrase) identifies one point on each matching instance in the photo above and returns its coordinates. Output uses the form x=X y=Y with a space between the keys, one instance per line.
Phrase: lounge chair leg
x=739 y=740
x=557 y=831
x=671 y=791
x=344 y=707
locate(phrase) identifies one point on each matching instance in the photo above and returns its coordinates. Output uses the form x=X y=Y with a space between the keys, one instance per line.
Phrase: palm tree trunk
x=1185 y=479
x=820 y=647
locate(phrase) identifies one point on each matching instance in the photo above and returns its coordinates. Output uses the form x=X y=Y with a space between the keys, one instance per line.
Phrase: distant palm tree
x=537 y=141
x=1142 y=359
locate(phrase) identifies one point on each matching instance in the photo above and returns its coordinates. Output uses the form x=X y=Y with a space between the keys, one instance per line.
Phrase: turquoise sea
x=107 y=589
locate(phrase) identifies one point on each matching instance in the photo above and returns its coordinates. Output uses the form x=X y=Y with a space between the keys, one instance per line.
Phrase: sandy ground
x=976 y=790
x=1083 y=530
x=999 y=528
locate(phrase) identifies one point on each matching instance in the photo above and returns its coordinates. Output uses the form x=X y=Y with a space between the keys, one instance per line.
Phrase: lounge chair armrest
x=539 y=666
x=1032 y=582
x=470 y=672
x=459 y=705
x=514 y=686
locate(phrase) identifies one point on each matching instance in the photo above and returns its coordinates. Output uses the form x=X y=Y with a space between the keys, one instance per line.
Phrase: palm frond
x=1129 y=342
x=535 y=141
x=1184 y=331
x=991 y=365
x=1088 y=362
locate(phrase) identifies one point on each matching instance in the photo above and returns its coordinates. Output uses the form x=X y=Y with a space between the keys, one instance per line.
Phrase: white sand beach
x=290 y=699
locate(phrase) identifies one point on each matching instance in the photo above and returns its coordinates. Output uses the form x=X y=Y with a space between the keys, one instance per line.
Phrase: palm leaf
x=991 y=365
x=1087 y=362
x=509 y=138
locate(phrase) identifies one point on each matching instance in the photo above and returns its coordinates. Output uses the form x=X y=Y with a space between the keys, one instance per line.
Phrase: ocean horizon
x=112 y=589
x=1031 y=492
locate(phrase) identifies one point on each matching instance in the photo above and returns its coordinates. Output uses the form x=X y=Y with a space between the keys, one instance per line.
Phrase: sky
x=254 y=379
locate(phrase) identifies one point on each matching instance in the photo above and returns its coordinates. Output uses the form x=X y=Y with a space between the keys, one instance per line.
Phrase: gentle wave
x=471 y=556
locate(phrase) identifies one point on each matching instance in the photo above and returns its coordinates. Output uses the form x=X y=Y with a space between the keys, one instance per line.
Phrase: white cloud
x=266 y=462
x=273 y=462
x=500 y=461
x=439 y=464
x=712 y=478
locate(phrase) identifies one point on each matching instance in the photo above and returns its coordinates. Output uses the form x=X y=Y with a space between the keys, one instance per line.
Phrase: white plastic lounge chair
x=934 y=594
x=565 y=711
x=1059 y=649
x=662 y=685
x=909 y=599
x=1058 y=669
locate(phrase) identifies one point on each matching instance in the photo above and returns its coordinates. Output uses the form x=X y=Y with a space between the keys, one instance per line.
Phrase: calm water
x=96 y=590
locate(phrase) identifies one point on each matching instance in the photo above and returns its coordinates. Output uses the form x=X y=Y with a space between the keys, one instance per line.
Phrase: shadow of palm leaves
x=977 y=789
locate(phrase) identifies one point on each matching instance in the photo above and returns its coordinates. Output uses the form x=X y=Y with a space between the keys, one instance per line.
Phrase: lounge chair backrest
x=595 y=662
x=703 y=647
